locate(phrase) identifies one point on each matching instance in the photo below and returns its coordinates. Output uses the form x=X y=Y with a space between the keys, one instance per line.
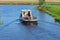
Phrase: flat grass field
x=19 y=1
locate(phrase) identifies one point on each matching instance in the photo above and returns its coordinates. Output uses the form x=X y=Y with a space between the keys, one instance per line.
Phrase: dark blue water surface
x=13 y=29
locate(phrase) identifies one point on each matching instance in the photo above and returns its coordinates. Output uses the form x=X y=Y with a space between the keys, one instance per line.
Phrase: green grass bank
x=53 y=10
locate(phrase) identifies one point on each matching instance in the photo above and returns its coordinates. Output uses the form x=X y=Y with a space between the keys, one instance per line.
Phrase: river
x=13 y=29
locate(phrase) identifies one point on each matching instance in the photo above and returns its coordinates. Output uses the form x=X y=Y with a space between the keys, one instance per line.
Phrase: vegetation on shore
x=1 y=21
x=52 y=9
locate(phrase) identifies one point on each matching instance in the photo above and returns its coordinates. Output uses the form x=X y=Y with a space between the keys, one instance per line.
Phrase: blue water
x=13 y=29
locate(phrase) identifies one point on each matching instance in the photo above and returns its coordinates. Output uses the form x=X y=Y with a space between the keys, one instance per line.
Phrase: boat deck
x=30 y=20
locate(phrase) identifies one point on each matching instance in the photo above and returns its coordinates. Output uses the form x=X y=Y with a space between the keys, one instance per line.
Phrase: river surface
x=13 y=29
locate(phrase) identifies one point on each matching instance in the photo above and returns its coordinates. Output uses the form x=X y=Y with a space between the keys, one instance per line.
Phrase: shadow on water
x=57 y=20
x=29 y=23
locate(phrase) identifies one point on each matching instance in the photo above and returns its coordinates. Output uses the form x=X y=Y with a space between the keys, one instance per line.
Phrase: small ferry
x=26 y=17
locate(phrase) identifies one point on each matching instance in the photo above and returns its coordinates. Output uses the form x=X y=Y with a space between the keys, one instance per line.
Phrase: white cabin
x=26 y=12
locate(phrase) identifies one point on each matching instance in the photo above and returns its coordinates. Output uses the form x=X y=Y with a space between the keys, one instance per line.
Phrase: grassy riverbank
x=53 y=10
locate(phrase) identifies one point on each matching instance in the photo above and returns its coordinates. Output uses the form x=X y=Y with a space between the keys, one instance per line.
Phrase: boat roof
x=26 y=10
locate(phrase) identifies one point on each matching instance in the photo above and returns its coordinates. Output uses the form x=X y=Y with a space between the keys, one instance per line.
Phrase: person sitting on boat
x=24 y=15
x=29 y=15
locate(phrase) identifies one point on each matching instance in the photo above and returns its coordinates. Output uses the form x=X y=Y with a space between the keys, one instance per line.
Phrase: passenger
x=29 y=15
x=23 y=14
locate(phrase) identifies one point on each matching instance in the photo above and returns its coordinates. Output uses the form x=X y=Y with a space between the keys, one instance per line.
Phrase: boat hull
x=29 y=22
